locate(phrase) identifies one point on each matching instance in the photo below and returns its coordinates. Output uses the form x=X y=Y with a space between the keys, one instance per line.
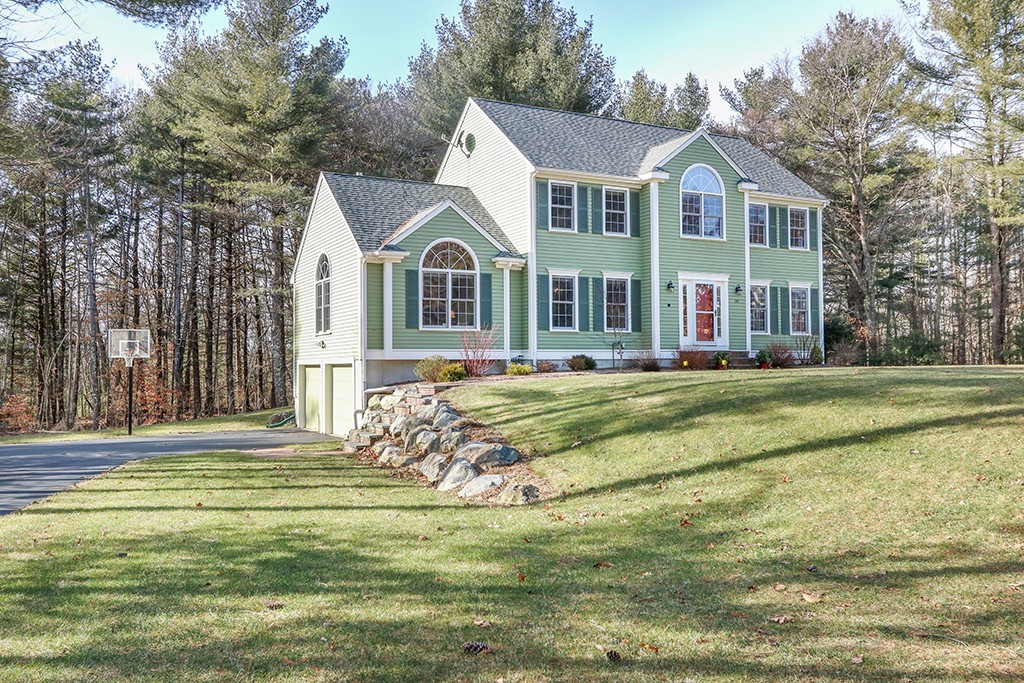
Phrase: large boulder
x=451 y=439
x=480 y=485
x=388 y=454
x=405 y=461
x=488 y=455
x=433 y=465
x=412 y=434
x=427 y=441
x=391 y=400
x=456 y=474
x=518 y=494
x=429 y=412
x=379 y=447
x=374 y=402
x=445 y=417
x=410 y=423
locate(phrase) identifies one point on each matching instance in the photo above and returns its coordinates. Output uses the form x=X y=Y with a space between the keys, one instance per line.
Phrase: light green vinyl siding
x=447 y=224
x=592 y=255
x=375 y=305
x=697 y=255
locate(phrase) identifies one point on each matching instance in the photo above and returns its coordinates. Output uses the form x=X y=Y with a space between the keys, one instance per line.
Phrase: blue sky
x=715 y=39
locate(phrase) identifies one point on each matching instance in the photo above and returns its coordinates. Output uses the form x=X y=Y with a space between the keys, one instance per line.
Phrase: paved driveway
x=29 y=472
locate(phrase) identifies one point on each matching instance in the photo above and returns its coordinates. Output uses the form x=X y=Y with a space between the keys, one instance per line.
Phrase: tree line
x=178 y=206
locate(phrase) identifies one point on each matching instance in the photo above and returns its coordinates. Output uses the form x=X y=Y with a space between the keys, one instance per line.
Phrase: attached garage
x=342 y=399
x=311 y=397
x=328 y=407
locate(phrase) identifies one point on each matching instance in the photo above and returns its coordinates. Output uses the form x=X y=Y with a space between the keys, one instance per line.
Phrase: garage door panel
x=342 y=398
x=311 y=411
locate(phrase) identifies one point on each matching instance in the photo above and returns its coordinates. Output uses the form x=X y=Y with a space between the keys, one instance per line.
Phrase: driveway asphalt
x=29 y=472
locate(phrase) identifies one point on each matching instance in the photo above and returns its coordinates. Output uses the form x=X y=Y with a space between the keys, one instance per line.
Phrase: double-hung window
x=616 y=304
x=615 y=211
x=448 y=287
x=702 y=204
x=563 y=207
x=563 y=302
x=798 y=228
x=799 y=310
x=759 y=309
x=323 y=295
x=757 y=218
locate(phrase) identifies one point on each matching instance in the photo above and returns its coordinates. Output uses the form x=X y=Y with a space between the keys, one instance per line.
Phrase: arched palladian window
x=448 y=286
x=702 y=204
x=323 y=295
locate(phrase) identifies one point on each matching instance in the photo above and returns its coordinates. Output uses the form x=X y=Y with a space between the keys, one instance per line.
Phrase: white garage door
x=311 y=411
x=342 y=399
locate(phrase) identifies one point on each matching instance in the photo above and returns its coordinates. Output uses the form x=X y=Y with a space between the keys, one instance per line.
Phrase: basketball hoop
x=129 y=357
x=128 y=345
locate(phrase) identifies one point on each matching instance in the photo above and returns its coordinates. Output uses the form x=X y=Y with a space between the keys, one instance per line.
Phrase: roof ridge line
x=393 y=180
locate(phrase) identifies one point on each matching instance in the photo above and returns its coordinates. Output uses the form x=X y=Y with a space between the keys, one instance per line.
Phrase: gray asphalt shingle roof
x=596 y=144
x=376 y=207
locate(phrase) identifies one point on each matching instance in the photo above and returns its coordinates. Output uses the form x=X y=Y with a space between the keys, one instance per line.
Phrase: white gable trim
x=426 y=215
x=698 y=134
x=457 y=134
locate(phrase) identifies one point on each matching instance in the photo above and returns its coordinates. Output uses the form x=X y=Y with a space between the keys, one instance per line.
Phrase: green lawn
x=711 y=495
x=226 y=423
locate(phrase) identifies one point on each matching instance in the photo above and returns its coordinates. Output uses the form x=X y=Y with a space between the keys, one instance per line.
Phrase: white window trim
x=476 y=287
x=575 y=275
x=679 y=198
x=767 y=305
x=807 y=228
x=629 y=301
x=604 y=209
x=806 y=286
x=316 y=285
x=551 y=206
x=766 y=222
x=692 y=279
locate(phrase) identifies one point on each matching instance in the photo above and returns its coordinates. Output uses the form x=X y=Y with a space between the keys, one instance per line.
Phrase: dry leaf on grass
x=811 y=597
x=603 y=565
x=858 y=659
x=482 y=623
x=781 y=619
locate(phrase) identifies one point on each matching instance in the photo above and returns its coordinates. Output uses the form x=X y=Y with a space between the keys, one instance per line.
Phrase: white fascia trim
x=807 y=202
x=654 y=176
x=451 y=143
x=615 y=275
x=631 y=182
x=747 y=186
x=697 y=134
x=427 y=215
x=320 y=182
x=509 y=262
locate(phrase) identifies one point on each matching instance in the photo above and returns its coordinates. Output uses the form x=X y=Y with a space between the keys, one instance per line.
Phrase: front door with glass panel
x=701 y=314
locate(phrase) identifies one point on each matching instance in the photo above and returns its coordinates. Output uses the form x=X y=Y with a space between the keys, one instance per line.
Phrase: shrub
x=816 y=357
x=517 y=369
x=581 y=362
x=546 y=366
x=477 y=347
x=915 y=348
x=782 y=356
x=839 y=330
x=846 y=353
x=647 y=361
x=764 y=356
x=720 y=359
x=453 y=372
x=691 y=359
x=429 y=369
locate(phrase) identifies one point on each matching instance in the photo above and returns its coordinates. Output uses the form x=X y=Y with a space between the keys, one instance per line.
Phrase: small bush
x=581 y=362
x=782 y=356
x=915 y=348
x=517 y=369
x=546 y=366
x=453 y=372
x=720 y=359
x=429 y=369
x=764 y=356
x=816 y=357
x=647 y=361
x=846 y=353
x=691 y=359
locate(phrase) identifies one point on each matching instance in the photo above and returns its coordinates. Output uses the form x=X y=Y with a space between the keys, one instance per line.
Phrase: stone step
x=418 y=400
x=402 y=409
x=369 y=438
x=377 y=428
x=351 y=446
x=388 y=418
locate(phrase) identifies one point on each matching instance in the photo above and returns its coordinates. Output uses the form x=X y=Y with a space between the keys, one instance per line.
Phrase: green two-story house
x=564 y=233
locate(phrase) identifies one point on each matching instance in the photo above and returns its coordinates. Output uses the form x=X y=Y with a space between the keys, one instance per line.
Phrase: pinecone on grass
x=614 y=656
x=475 y=648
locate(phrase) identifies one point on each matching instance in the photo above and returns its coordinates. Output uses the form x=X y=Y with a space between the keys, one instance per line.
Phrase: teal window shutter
x=543 y=303
x=634 y=213
x=583 y=297
x=784 y=227
x=815 y=312
x=775 y=304
x=597 y=210
x=412 y=299
x=773 y=226
x=581 y=208
x=784 y=292
x=812 y=218
x=485 y=301
x=598 y=305
x=542 y=205
x=636 y=311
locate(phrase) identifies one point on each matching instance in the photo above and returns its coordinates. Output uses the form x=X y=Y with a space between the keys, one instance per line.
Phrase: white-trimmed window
x=323 y=295
x=616 y=211
x=702 y=204
x=797 y=228
x=759 y=307
x=616 y=304
x=799 y=310
x=563 y=302
x=448 y=291
x=562 y=206
x=757 y=219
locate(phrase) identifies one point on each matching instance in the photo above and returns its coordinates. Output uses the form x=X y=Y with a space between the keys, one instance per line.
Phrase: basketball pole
x=131 y=392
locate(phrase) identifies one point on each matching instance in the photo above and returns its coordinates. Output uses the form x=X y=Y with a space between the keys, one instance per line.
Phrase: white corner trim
x=746 y=264
x=506 y=312
x=389 y=294
x=531 y=269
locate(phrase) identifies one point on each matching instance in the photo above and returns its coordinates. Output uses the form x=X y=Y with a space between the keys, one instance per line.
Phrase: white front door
x=703 y=314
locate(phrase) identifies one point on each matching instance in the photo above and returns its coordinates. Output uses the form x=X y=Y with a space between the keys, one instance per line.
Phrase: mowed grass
x=706 y=499
x=224 y=423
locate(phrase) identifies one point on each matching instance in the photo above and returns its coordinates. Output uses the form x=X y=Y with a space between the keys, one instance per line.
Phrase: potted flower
x=764 y=358
x=721 y=360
